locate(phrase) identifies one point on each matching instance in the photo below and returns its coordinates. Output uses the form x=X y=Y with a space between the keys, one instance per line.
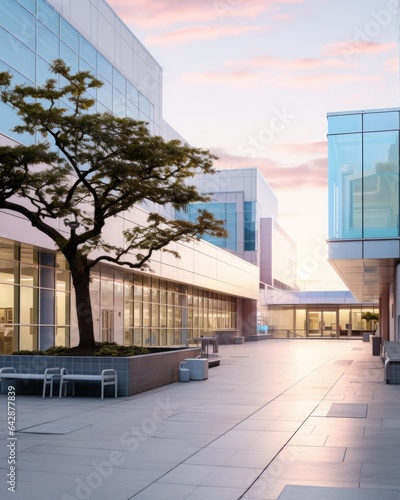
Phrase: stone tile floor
x=287 y=419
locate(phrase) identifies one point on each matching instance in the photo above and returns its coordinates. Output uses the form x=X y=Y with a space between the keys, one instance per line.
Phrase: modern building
x=243 y=199
x=364 y=235
x=207 y=289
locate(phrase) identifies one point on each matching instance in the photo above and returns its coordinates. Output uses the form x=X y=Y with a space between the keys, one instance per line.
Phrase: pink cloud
x=162 y=13
x=393 y=64
x=312 y=173
x=352 y=47
x=223 y=77
x=201 y=33
x=307 y=148
x=267 y=62
x=322 y=81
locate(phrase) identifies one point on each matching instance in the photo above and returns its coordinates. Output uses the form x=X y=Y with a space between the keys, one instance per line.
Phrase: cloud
x=351 y=47
x=311 y=174
x=301 y=148
x=163 y=13
x=323 y=80
x=193 y=33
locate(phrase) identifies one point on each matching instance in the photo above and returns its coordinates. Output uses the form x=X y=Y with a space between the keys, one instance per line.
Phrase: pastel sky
x=253 y=80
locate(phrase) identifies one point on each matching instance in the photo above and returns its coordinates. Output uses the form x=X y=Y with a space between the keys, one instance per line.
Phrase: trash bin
x=198 y=368
x=183 y=372
x=376 y=344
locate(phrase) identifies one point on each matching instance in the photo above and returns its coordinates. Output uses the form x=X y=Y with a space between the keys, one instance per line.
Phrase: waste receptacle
x=183 y=372
x=376 y=344
x=198 y=368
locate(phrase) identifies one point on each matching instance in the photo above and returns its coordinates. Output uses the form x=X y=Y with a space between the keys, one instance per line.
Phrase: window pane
x=342 y=124
x=69 y=35
x=19 y=22
x=381 y=121
x=17 y=55
x=381 y=184
x=87 y=51
x=345 y=186
x=48 y=16
x=48 y=44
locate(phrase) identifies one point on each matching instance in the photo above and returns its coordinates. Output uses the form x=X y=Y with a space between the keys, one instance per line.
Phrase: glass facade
x=33 y=34
x=318 y=321
x=244 y=234
x=364 y=175
x=34 y=298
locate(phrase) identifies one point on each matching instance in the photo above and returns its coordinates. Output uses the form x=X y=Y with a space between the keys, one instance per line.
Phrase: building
x=364 y=233
x=243 y=199
x=208 y=289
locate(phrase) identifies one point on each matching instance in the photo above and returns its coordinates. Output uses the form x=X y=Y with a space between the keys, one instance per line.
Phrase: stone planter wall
x=135 y=373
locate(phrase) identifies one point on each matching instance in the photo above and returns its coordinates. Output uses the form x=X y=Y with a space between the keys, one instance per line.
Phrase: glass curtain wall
x=318 y=321
x=34 y=298
x=159 y=312
x=364 y=175
x=33 y=34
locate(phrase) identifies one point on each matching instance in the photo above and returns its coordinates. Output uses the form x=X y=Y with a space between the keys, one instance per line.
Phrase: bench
x=107 y=377
x=10 y=373
x=390 y=354
x=238 y=340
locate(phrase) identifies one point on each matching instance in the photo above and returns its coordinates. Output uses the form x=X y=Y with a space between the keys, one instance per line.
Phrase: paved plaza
x=287 y=419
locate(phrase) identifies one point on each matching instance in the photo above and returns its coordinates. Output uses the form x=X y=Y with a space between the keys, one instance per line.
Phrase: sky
x=253 y=80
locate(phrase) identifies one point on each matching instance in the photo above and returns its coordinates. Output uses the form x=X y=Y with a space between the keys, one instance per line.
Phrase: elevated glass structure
x=364 y=174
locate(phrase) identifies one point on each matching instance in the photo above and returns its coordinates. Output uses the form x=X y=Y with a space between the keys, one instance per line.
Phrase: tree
x=86 y=168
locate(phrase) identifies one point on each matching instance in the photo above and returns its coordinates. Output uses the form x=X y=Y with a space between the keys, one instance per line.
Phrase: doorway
x=322 y=324
x=107 y=325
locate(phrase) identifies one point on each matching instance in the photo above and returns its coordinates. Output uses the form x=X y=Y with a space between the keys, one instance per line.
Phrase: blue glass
x=46 y=337
x=48 y=16
x=381 y=184
x=119 y=81
x=132 y=94
x=48 y=44
x=105 y=95
x=47 y=259
x=119 y=104
x=69 y=35
x=88 y=52
x=104 y=68
x=381 y=121
x=47 y=309
x=29 y=4
x=132 y=110
x=43 y=72
x=250 y=226
x=19 y=22
x=345 y=186
x=343 y=124
x=70 y=57
x=144 y=105
x=17 y=55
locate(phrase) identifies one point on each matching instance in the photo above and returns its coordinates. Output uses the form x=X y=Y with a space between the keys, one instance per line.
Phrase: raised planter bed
x=135 y=373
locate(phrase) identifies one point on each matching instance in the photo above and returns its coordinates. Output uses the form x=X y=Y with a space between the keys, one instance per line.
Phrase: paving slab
x=287 y=419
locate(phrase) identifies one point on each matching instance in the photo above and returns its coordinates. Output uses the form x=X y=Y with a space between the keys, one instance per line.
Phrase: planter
x=135 y=373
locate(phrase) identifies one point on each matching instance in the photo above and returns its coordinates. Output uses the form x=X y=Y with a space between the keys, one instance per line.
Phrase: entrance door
x=107 y=325
x=322 y=324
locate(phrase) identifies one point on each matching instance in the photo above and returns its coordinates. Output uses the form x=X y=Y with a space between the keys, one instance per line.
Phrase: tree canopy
x=88 y=167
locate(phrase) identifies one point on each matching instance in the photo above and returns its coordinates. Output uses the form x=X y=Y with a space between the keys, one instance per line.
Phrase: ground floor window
x=34 y=298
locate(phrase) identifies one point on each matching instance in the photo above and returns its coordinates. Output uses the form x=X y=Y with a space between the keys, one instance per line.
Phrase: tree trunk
x=81 y=281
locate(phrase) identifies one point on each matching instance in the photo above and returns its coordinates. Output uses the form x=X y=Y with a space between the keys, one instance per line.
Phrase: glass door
x=322 y=324
x=107 y=325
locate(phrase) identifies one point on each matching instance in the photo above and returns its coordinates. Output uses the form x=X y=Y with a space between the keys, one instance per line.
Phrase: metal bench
x=107 y=377
x=390 y=354
x=10 y=373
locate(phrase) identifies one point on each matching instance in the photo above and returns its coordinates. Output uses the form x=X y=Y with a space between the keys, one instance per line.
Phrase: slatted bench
x=10 y=373
x=390 y=354
x=107 y=377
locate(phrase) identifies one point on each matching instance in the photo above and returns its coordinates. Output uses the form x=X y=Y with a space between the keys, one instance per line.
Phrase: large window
x=364 y=175
x=34 y=298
